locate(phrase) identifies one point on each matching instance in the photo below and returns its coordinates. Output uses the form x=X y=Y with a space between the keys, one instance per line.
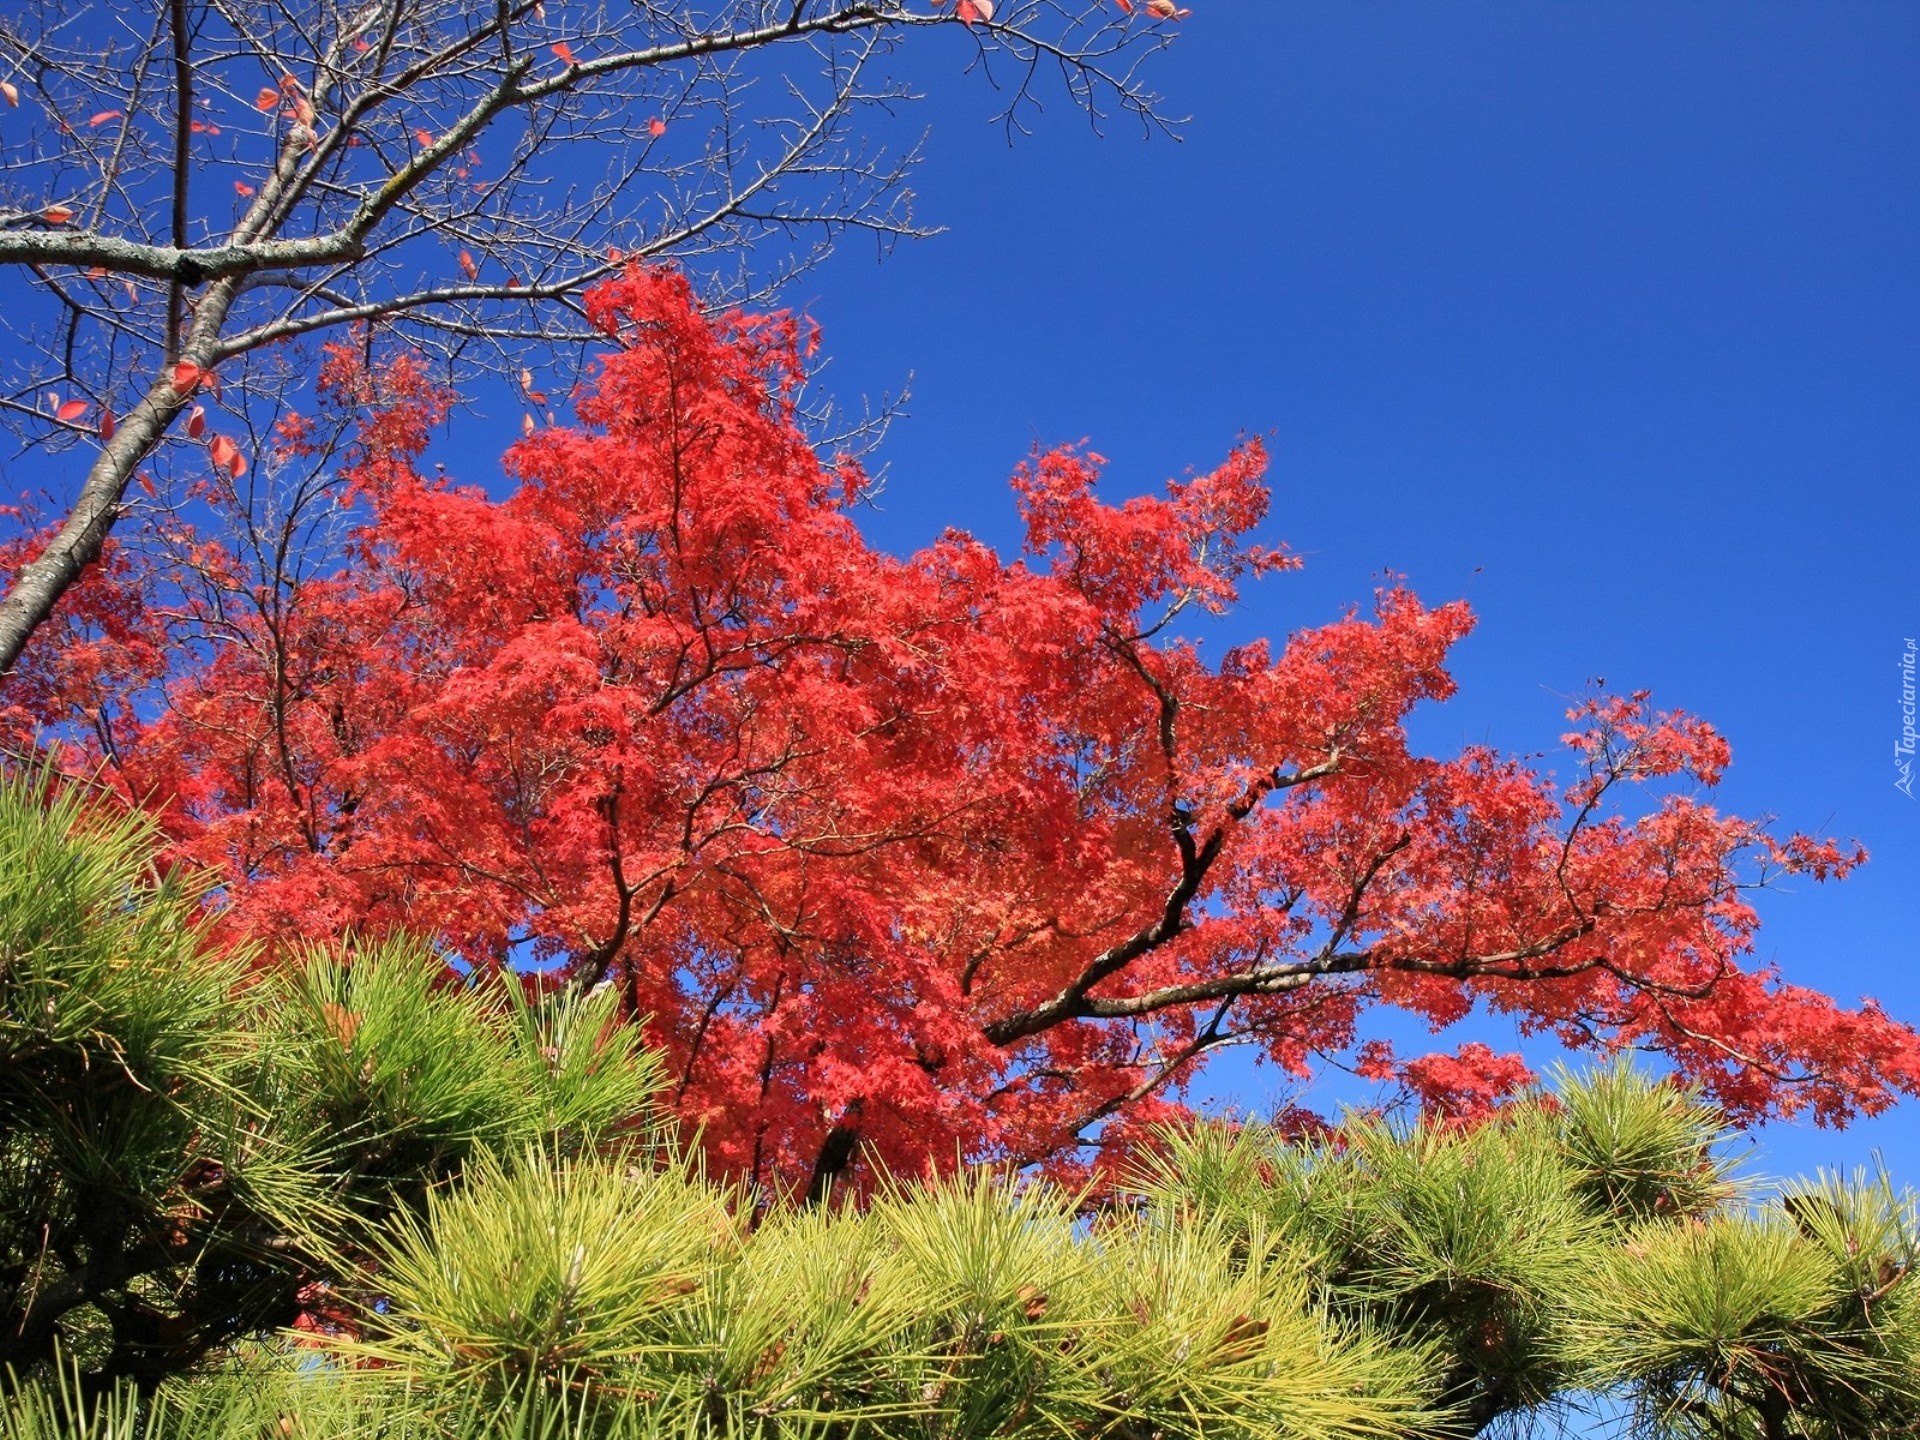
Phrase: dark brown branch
x=182 y=167
x=836 y=1153
x=1196 y=860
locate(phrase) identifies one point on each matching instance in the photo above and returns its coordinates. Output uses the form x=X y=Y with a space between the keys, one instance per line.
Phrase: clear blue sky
x=1605 y=316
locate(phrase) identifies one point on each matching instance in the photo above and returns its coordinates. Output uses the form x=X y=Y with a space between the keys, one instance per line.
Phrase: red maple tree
x=946 y=856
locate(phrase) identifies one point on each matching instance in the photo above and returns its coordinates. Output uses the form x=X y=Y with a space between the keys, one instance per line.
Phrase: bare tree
x=193 y=186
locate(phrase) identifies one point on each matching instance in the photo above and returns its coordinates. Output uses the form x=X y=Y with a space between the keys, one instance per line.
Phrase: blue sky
x=1603 y=316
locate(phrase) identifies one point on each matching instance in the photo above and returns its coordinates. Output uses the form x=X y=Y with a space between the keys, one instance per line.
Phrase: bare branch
x=198 y=183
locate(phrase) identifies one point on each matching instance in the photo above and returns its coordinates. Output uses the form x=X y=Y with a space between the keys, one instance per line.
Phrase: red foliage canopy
x=948 y=855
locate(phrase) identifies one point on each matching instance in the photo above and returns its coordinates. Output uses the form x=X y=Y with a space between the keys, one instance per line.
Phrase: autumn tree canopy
x=189 y=189
x=941 y=856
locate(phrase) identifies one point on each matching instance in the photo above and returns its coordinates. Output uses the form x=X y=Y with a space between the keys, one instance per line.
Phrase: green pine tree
x=360 y=1197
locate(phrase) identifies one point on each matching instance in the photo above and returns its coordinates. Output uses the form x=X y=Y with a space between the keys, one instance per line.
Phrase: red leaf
x=565 y=53
x=11 y=91
x=107 y=423
x=186 y=375
x=241 y=188
x=56 y=214
x=197 y=422
x=102 y=117
x=425 y=137
x=467 y=266
x=267 y=98
x=227 y=456
x=656 y=127
x=70 y=411
x=146 y=484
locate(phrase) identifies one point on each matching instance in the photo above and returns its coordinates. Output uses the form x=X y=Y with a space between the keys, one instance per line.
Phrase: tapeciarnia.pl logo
x=1903 y=747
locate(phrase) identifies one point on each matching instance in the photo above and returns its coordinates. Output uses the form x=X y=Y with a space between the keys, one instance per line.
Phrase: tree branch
x=1195 y=862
